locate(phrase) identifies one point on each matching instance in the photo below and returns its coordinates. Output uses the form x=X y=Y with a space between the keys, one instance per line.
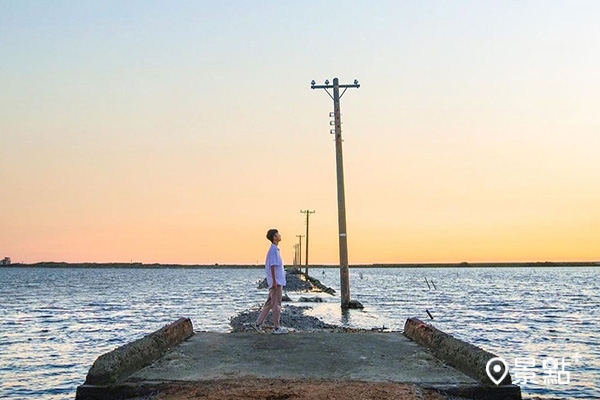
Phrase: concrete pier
x=204 y=358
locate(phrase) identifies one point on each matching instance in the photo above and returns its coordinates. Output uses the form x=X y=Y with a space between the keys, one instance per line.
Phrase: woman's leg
x=276 y=305
x=266 y=308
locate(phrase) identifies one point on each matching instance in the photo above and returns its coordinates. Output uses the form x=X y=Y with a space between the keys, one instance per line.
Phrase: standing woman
x=276 y=281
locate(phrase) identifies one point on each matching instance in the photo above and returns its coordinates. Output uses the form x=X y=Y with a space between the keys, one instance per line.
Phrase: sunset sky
x=180 y=132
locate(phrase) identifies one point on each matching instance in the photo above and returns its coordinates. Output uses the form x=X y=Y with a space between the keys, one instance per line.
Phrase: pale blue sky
x=469 y=113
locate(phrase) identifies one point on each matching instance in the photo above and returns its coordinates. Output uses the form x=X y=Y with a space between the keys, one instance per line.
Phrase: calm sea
x=55 y=322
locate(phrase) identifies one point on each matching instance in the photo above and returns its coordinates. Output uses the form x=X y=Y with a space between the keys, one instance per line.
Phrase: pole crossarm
x=331 y=86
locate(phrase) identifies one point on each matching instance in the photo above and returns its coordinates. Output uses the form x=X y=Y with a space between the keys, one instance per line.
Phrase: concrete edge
x=130 y=390
x=478 y=392
x=122 y=390
x=120 y=363
x=465 y=357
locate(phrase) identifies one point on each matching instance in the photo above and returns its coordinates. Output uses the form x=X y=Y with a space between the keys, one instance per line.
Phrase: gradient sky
x=179 y=132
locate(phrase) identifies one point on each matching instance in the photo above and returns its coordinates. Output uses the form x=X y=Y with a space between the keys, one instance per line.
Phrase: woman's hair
x=271 y=234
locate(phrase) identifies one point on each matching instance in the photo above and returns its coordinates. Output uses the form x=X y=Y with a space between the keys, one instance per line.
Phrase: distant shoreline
x=318 y=266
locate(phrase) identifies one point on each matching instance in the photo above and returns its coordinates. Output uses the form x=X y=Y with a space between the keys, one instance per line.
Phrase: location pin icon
x=496 y=369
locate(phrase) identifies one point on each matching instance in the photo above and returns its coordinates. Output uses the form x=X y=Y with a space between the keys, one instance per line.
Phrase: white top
x=274 y=258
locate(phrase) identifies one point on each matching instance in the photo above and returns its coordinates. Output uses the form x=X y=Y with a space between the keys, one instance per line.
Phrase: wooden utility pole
x=295 y=254
x=300 y=250
x=344 y=276
x=307 y=212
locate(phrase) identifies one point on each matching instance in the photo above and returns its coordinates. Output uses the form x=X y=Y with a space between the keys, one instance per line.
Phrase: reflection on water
x=55 y=322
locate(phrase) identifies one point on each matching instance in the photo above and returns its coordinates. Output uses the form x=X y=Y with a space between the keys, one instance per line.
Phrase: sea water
x=54 y=322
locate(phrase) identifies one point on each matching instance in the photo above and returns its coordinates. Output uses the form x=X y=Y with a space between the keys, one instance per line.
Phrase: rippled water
x=55 y=322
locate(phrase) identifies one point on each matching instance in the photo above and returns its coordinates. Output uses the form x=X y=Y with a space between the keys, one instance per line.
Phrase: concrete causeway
x=205 y=357
x=358 y=356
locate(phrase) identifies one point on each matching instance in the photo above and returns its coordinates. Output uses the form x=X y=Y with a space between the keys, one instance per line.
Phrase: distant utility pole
x=295 y=254
x=307 y=212
x=300 y=249
x=337 y=122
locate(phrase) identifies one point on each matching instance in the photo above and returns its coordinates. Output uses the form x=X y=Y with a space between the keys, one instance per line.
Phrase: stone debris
x=315 y=299
x=291 y=317
x=293 y=283
x=297 y=281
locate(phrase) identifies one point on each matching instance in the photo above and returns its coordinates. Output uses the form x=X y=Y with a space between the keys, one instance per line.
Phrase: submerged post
x=344 y=276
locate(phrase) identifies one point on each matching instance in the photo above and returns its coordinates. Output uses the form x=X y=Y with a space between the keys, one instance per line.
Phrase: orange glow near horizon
x=473 y=137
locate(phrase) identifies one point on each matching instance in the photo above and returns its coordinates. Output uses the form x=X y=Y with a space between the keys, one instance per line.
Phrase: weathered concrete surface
x=360 y=356
x=120 y=363
x=470 y=359
x=207 y=358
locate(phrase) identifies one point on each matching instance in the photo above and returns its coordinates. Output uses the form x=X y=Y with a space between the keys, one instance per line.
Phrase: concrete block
x=467 y=358
x=120 y=363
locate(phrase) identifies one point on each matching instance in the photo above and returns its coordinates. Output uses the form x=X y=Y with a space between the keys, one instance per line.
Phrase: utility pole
x=307 y=212
x=300 y=250
x=337 y=122
x=295 y=254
